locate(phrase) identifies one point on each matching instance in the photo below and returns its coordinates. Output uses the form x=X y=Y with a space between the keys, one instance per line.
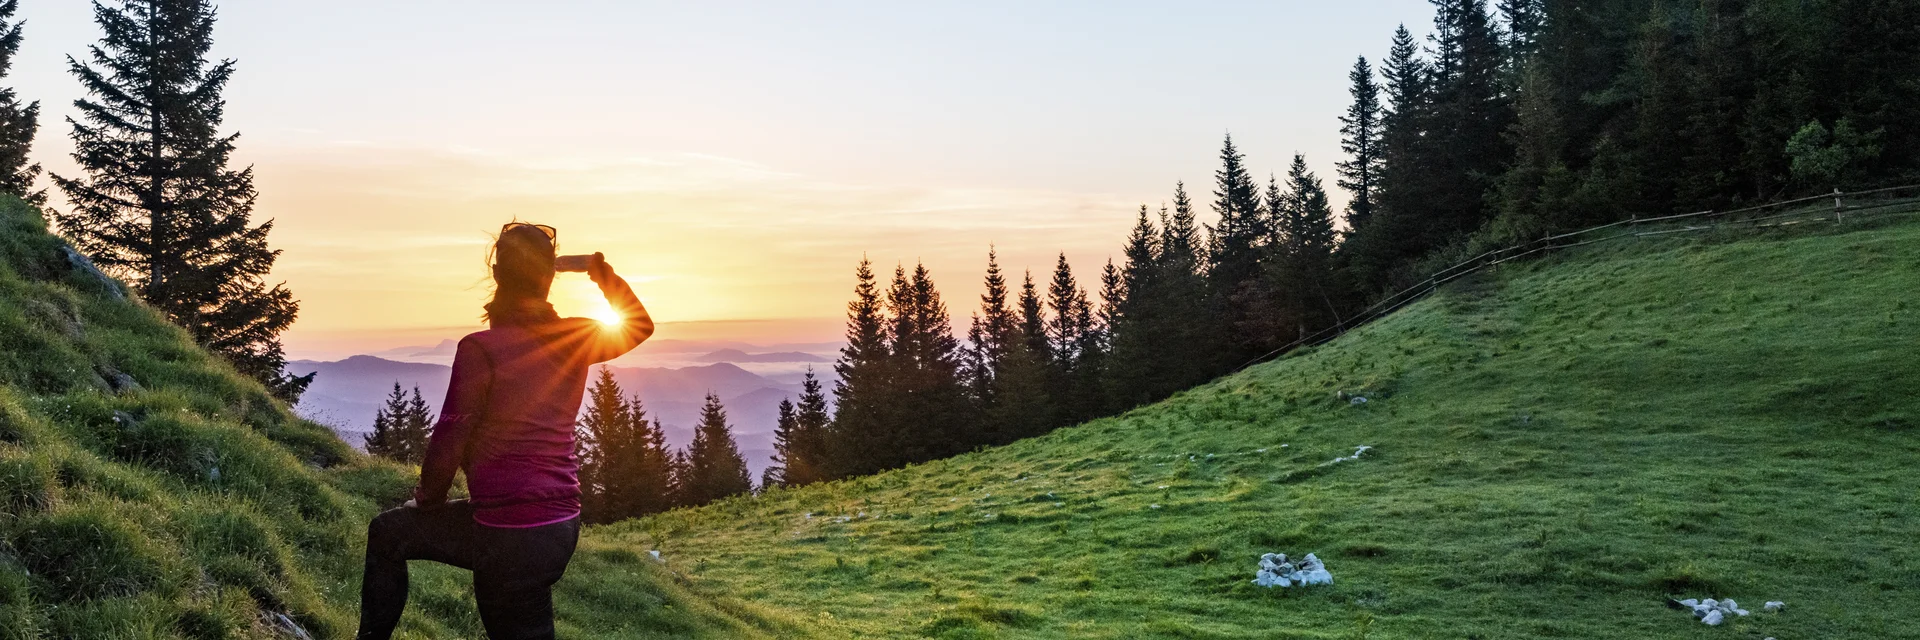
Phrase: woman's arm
x=635 y=325
x=459 y=416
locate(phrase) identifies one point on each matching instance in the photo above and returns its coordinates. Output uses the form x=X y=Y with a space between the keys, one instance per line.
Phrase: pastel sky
x=734 y=160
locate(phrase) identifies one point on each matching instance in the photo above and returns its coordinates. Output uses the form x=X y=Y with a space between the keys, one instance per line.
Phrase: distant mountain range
x=736 y=355
x=347 y=393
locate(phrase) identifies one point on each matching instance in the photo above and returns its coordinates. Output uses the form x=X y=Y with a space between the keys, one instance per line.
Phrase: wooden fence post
x=1836 y=204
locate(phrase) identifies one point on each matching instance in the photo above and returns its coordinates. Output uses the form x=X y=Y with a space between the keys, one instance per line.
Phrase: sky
x=734 y=160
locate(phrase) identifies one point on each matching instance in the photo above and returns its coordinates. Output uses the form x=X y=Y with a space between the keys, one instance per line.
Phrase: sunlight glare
x=606 y=315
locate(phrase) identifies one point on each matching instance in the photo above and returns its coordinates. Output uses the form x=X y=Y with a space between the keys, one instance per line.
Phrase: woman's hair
x=522 y=261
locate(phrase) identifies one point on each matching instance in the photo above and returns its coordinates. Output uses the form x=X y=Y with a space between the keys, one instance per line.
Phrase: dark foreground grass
x=147 y=491
x=1559 y=447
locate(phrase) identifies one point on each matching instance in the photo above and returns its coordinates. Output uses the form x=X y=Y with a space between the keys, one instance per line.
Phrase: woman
x=508 y=422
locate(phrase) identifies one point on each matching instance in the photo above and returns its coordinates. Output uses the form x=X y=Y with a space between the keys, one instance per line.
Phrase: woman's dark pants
x=513 y=569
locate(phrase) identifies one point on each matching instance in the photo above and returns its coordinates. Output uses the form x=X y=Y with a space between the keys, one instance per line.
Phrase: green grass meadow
x=1560 y=445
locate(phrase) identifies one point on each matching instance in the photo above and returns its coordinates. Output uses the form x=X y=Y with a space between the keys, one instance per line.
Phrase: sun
x=606 y=315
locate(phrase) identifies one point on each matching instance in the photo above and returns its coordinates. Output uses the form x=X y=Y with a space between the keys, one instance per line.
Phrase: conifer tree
x=1471 y=146
x=1235 y=240
x=18 y=122
x=387 y=440
x=1135 y=364
x=1235 y=247
x=419 y=427
x=989 y=336
x=1033 y=320
x=1005 y=379
x=401 y=427
x=157 y=202
x=602 y=437
x=1072 y=315
x=1307 y=243
x=786 y=429
x=1112 y=294
x=1074 y=385
x=799 y=432
x=807 y=462
x=1524 y=20
x=863 y=369
x=645 y=468
x=714 y=468
x=680 y=492
x=1360 y=140
x=931 y=417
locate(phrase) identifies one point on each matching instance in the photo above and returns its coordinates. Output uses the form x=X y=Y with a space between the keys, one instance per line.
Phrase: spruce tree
x=1360 y=140
x=1308 y=240
x=157 y=202
x=995 y=344
x=860 y=393
x=786 y=429
x=1235 y=240
x=601 y=441
x=401 y=427
x=417 y=427
x=988 y=336
x=388 y=438
x=1472 y=111
x=1191 y=334
x=18 y=122
x=680 y=492
x=1033 y=320
x=647 y=472
x=1070 y=334
x=1071 y=315
x=806 y=464
x=1524 y=20
x=1375 y=250
x=931 y=417
x=797 y=437
x=714 y=468
x=1135 y=365
x=1235 y=245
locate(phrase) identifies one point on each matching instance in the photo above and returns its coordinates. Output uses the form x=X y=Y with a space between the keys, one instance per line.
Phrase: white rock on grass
x=1356 y=455
x=1711 y=611
x=1774 y=605
x=1276 y=571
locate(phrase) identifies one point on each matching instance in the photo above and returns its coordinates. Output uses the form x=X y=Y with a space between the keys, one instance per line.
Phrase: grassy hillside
x=147 y=491
x=1559 y=446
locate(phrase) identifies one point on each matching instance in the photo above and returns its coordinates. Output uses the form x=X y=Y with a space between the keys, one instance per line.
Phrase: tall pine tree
x=157 y=202
x=601 y=439
x=1008 y=382
x=860 y=392
x=18 y=122
x=644 y=466
x=714 y=468
x=1136 y=367
x=1360 y=132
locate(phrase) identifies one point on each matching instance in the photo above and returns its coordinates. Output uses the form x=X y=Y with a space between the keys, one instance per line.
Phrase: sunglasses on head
x=552 y=235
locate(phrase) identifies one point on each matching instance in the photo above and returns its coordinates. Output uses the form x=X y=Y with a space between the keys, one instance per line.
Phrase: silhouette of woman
x=508 y=422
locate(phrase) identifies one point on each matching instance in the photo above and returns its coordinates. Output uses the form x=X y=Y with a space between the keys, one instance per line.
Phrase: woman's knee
x=388 y=532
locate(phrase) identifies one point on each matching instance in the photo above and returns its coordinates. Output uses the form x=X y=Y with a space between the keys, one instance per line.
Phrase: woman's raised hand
x=597 y=267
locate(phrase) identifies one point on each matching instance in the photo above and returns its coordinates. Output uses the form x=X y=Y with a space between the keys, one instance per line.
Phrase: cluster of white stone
x=1277 y=571
x=1714 y=612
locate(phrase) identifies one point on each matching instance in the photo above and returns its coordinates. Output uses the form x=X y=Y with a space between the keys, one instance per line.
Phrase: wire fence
x=1834 y=208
